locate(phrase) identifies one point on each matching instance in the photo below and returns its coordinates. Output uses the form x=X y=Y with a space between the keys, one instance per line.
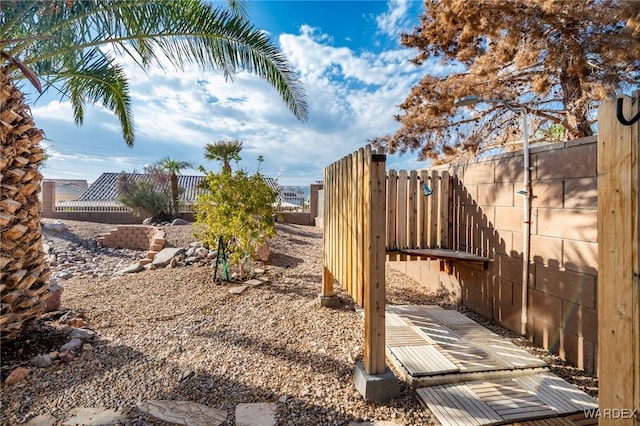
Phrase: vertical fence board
x=401 y=225
x=423 y=211
x=618 y=263
x=360 y=234
x=412 y=210
x=392 y=209
x=327 y=278
x=433 y=210
x=443 y=214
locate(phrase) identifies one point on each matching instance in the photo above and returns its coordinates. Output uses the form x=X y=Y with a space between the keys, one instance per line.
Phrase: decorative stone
x=73 y=345
x=17 y=375
x=183 y=412
x=64 y=275
x=165 y=255
x=82 y=334
x=67 y=356
x=179 y=222
x=131 y=269
x=55 y=299
x=94 y=416
x=41 y=361
x=56 y=227
x=239 y=289
x=261 y=413
x=42 y=420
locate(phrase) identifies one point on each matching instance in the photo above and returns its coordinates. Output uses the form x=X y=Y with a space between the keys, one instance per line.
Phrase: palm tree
x=173 y=167
x=67 y=45
x=224 y=151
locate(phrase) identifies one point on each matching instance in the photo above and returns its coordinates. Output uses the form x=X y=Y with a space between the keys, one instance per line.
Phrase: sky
x=350 y=62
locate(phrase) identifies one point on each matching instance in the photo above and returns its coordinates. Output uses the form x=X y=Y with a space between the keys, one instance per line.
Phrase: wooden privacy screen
x=354 y=242
x=418 y=210
x=618 y=262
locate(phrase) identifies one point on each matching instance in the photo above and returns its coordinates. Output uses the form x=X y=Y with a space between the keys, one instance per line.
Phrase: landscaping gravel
x=171 y=334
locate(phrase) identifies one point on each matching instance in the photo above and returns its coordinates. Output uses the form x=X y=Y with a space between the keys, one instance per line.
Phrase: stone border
x=138 y=237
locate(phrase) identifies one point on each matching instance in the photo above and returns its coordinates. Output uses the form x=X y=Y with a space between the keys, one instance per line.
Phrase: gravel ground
x=172 y=334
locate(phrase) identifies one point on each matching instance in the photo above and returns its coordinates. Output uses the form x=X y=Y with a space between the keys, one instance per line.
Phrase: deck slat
x=423 y=360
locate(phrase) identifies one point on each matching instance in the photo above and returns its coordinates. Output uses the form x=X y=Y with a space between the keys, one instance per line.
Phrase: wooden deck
x=467 y=375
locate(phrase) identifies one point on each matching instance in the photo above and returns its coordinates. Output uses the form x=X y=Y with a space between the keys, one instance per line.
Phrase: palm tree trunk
x=25 y=275
x=174 y=193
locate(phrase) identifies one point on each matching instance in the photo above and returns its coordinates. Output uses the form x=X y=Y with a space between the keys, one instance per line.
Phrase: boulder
x=263 y=252
x=178 y=222
x=163 y=258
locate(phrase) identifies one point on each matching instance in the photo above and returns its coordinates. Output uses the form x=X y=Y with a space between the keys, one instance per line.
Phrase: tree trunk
x=25 y=275
x=174 y=193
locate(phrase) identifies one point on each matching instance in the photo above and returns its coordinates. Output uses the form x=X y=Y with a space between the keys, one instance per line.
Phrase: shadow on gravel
x=320 y=362
x=284 y=260
x=296 y=231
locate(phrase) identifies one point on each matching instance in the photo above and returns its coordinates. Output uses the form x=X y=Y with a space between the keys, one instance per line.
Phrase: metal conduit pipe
x=527 y=192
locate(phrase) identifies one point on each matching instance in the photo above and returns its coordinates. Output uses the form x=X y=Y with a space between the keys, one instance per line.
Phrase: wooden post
x=433 y=210
x=375 y=242
x=618 y=264
x=443 y=207
x=327 y=278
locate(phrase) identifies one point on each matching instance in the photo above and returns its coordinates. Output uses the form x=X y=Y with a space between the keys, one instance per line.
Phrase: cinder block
x=568 y=285
x=545 y=250
x=151 y=254
x=475 y=173
x=507 y=316
x=156 y=247
x=546 y=307
x=545 y=334
x=496 y=194
x=580 y=320
x=508 y=268
x=546 y=193
x=509 y=169
x=580 y=256
x=571 y=224
x=581 y=193
x=378 y=388
x=574 y=162
x=509 y=219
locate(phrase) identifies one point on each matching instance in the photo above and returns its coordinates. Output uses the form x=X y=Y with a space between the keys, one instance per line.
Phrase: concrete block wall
x=488 y=220
x=140 y=237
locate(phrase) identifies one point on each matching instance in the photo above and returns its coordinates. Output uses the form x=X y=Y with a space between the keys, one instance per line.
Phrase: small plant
x=239 y=208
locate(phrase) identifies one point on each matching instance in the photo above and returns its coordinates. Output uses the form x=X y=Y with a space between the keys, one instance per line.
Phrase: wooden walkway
x=467 y=375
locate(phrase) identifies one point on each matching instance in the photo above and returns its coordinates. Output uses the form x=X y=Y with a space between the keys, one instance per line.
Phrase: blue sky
x=349 y=60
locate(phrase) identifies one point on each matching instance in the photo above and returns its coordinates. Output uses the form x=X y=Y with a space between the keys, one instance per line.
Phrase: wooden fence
x=418 y=210
x=367 y=214
x=354 y=242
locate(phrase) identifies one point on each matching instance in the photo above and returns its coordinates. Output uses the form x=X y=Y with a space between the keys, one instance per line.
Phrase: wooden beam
x=375 y=237
x=618 y=264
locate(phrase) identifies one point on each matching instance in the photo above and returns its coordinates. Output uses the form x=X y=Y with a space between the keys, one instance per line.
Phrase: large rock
x=178 y=222
x=163 y=258
x=183 y=412
x=94 y=416
x=56 y=227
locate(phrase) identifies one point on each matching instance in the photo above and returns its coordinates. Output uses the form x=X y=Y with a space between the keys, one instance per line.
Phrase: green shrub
x=239 y=208
x=144 y=199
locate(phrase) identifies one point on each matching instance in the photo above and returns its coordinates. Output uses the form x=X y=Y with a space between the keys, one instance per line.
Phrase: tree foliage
x=173 y=168
x=145 y=198
x=555 y=58
x=69 y=45
x=237 y=207
x=224 y=151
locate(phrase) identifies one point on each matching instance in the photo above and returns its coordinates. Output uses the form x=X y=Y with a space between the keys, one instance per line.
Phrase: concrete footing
x=329 y=301
x=378 y=388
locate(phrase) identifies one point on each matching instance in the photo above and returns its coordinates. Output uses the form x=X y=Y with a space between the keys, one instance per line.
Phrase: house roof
x=105 y=187
x=69 y=186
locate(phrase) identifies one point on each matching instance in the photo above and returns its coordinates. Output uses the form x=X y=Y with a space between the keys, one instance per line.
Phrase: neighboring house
x=68 y=189
x=105 y=187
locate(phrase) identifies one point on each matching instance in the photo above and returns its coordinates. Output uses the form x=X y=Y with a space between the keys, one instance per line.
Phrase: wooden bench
x=446 y=255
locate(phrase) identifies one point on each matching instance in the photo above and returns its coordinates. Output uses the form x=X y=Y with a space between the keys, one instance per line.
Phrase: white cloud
x=395 y=20
x=352 y=98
